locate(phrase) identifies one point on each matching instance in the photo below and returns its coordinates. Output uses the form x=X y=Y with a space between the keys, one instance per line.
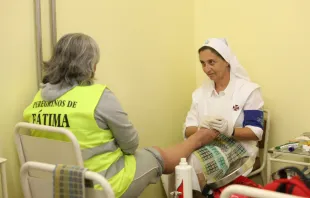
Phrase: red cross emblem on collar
x=236 y=107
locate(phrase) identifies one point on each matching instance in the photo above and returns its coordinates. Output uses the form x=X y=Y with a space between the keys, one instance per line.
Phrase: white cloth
x=221 y=46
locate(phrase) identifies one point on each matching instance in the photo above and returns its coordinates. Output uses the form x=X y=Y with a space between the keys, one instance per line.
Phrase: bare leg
x=202 y=183
x=172 y=155
x=202 y=180
x=197 y=194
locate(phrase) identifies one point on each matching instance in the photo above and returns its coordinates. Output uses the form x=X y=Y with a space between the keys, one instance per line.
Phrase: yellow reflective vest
x=75 y=111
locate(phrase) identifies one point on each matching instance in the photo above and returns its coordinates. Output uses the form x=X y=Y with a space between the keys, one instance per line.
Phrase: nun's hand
x=206 y=122
x=208 y=135
x=221 y=125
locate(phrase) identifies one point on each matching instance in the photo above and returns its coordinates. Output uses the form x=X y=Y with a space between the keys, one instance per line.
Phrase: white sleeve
x=192 y=118
x=255 y=102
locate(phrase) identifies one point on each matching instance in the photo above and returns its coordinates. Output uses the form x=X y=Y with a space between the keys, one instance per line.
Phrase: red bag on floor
x=241 y=181
x=298 y=185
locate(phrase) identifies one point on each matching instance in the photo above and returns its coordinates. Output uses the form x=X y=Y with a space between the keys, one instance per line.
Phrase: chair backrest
x=43 y=187
x=45 y=150
x=263 y=144
x=266 y=135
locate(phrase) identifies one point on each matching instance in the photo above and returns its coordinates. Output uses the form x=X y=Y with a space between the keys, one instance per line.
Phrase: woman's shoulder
x=198 y=91
x=95 y=86
x=246 y=90
x=245 y=84
x=201 y=91
x=99 y=85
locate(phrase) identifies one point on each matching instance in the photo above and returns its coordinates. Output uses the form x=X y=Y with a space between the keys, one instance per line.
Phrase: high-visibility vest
x=75 y=111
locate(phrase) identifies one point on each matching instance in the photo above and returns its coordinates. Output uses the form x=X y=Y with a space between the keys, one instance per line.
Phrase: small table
x=274 y=155
x=3 y=178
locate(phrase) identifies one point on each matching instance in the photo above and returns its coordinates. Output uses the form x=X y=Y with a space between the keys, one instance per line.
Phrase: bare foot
x=206 y=135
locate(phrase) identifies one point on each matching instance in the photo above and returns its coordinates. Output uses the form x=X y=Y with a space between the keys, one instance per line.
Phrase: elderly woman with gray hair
x=69 y=98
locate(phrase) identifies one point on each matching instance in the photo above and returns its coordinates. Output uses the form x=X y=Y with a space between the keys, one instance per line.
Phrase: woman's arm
x=192 y=118
x=253 y=118
x=244 y=134
x=110 y=115
x=190 y=131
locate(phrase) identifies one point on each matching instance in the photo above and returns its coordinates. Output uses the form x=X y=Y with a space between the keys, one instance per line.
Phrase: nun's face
x=214 y=66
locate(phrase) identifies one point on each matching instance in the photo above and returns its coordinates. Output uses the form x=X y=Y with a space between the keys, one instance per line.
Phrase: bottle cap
x=291 y=149
x=183 y=161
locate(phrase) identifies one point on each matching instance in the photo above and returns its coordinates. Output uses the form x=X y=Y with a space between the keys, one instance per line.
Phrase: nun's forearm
x=244 y=134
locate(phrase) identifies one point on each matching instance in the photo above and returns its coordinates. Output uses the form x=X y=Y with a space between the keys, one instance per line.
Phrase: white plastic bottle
x=183 y=179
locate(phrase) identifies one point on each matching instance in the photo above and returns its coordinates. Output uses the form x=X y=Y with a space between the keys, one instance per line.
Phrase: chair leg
x=263 y=178
x=268 y=176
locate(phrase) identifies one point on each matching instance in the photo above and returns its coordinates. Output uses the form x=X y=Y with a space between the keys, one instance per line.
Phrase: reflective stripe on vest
x=104 y=148
x=114 y=169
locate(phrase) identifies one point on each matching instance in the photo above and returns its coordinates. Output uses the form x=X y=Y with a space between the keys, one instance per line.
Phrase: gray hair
x=74 y=59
